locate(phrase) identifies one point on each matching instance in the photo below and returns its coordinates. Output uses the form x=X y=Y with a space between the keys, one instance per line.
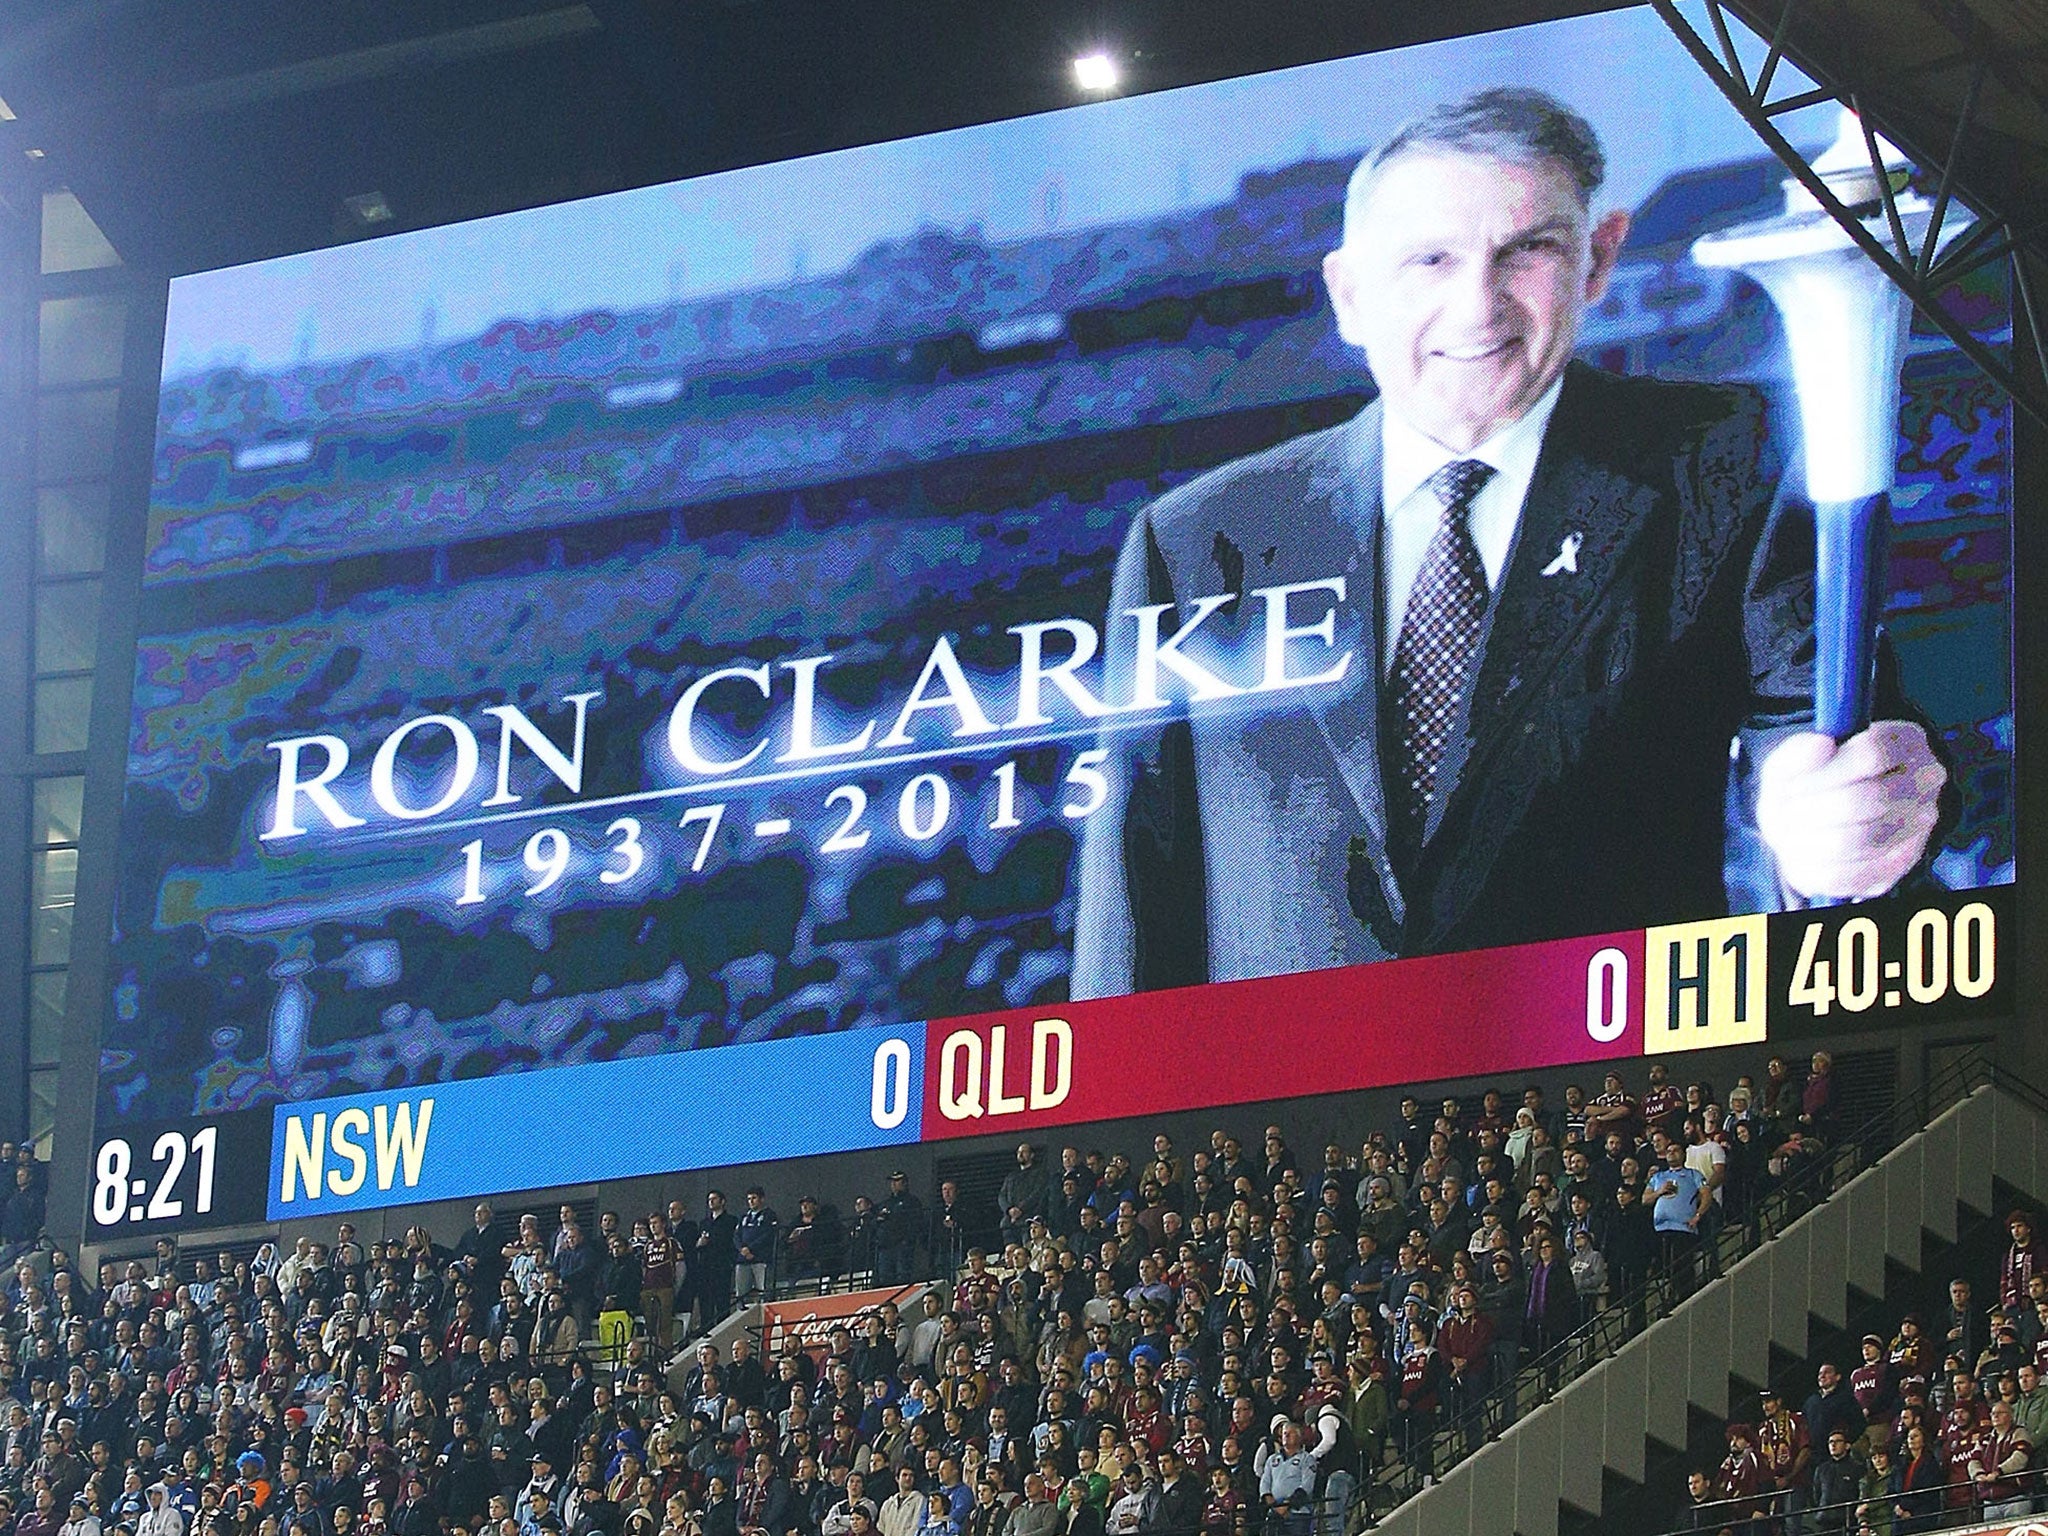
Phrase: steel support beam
x=1993 y=240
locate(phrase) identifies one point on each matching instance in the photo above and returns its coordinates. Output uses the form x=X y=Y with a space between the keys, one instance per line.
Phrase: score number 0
x=1607 y=994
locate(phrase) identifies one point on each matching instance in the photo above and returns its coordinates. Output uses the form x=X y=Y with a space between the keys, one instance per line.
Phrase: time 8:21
x=116 y=1198
x=1943 y=954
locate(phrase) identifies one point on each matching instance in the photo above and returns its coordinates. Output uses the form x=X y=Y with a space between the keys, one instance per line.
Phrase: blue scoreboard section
x=606 y=1120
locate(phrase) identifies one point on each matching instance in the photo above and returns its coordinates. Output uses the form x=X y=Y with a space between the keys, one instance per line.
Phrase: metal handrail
x=1768 y=1504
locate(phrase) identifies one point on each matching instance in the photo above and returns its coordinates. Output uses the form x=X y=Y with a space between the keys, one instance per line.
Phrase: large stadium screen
x=1280 y=586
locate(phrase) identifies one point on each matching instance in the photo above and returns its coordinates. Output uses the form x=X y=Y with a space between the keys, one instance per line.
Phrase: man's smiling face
x=1464 y=278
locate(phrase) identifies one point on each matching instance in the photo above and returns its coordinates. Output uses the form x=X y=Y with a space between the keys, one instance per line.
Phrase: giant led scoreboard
x=646 y=684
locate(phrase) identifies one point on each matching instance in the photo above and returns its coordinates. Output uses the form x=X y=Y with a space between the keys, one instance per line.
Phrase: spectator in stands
x=2033 y=1321
x=1743 y=1139
x=1786 y=1451
x=555 y=1335
x=1224 y=1510
x=1817 y=1103
x=576 y=1266
x=1084 y=1515
x=2003 y=1355
x=1464 y=1343
x=765 y=1506
x=2030 y=1403
x=1134 y=1504
x=1682 y=1198
x=1706 y=1154
x=816 y=1243
x=1877 y=1493
x=1963 y=1422
x=1966 y=1335
x=1911 y=1357
x=42 y=1518
x=1705 y=1510
x=1740 y=1478
x=1177 y=1511
x=1781 y=1096
x=1921 y=1478
x=618 y=1284
x=21 y=1222
x=1876 y=1394
x=1038 y=1514
x=1287 y=1484
x=303 y=1516
x=1418 y=1383
x=755 y=1234
x=839 y=1515
x=1551 y=1311
x=1663 y=1103
x=1024 y=1193
x=1834 y=1485
x=1612 y=1110
x=1631 y=1247
x=2026 y=1258
x=1832 y=1406
x=903 y=1511
x=899 y=1225
x=720 y=1513
x=476 y=1251
x=661 y=1260
x=1589 y=1269
x=949 y=1240
x=1998 y=1466
x=711 y=1266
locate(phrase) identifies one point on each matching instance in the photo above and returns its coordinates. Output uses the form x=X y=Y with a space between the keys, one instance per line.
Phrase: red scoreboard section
x=1277 y=1037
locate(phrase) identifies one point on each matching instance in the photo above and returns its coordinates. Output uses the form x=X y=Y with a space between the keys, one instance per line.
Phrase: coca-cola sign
x=811 y=1319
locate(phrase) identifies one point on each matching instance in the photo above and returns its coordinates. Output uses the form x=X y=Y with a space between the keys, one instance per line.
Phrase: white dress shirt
x=1412 y=511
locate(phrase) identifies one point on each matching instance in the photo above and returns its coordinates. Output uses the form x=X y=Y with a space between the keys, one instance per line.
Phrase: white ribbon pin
x=1567 y=561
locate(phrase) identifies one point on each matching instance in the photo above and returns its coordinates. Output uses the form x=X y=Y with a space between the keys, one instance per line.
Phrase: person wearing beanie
x=1419 y=1386
x=1875 y=1393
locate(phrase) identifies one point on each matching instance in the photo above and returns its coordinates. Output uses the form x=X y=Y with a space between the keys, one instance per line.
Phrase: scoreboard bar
x=1680 y=987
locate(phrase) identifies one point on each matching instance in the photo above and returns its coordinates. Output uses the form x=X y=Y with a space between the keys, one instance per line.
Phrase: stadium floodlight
x=369 y=208
x=1096 y=72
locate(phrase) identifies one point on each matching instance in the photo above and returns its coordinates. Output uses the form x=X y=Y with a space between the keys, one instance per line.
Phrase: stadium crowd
x=1935 y=1423
x=1214 y=1340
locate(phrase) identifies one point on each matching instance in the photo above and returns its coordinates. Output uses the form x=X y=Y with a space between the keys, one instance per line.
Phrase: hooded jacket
x=162 y=1517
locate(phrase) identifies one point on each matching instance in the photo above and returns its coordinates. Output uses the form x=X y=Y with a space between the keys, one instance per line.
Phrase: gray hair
x=1510 y=123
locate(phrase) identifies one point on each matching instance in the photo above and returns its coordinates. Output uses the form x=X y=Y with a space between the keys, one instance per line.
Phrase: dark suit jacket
x=1589 y=776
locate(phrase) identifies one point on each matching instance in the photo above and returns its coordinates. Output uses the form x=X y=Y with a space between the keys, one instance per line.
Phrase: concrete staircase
x=1598 y=1424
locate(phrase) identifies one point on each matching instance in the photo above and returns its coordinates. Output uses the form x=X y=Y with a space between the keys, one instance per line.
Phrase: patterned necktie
x=1433 y=654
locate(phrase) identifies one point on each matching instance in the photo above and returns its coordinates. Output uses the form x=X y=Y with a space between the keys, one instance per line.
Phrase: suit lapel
x=1581 y=512
x=1350 y=724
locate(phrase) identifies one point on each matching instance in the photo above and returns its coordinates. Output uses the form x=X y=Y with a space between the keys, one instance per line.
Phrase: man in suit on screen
x=1569 y=602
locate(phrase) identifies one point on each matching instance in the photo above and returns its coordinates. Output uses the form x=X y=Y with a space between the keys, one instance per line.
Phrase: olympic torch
x=1845 y=325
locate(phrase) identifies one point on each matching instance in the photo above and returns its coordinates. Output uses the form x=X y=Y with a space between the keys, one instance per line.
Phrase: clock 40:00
x=1943 y=954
